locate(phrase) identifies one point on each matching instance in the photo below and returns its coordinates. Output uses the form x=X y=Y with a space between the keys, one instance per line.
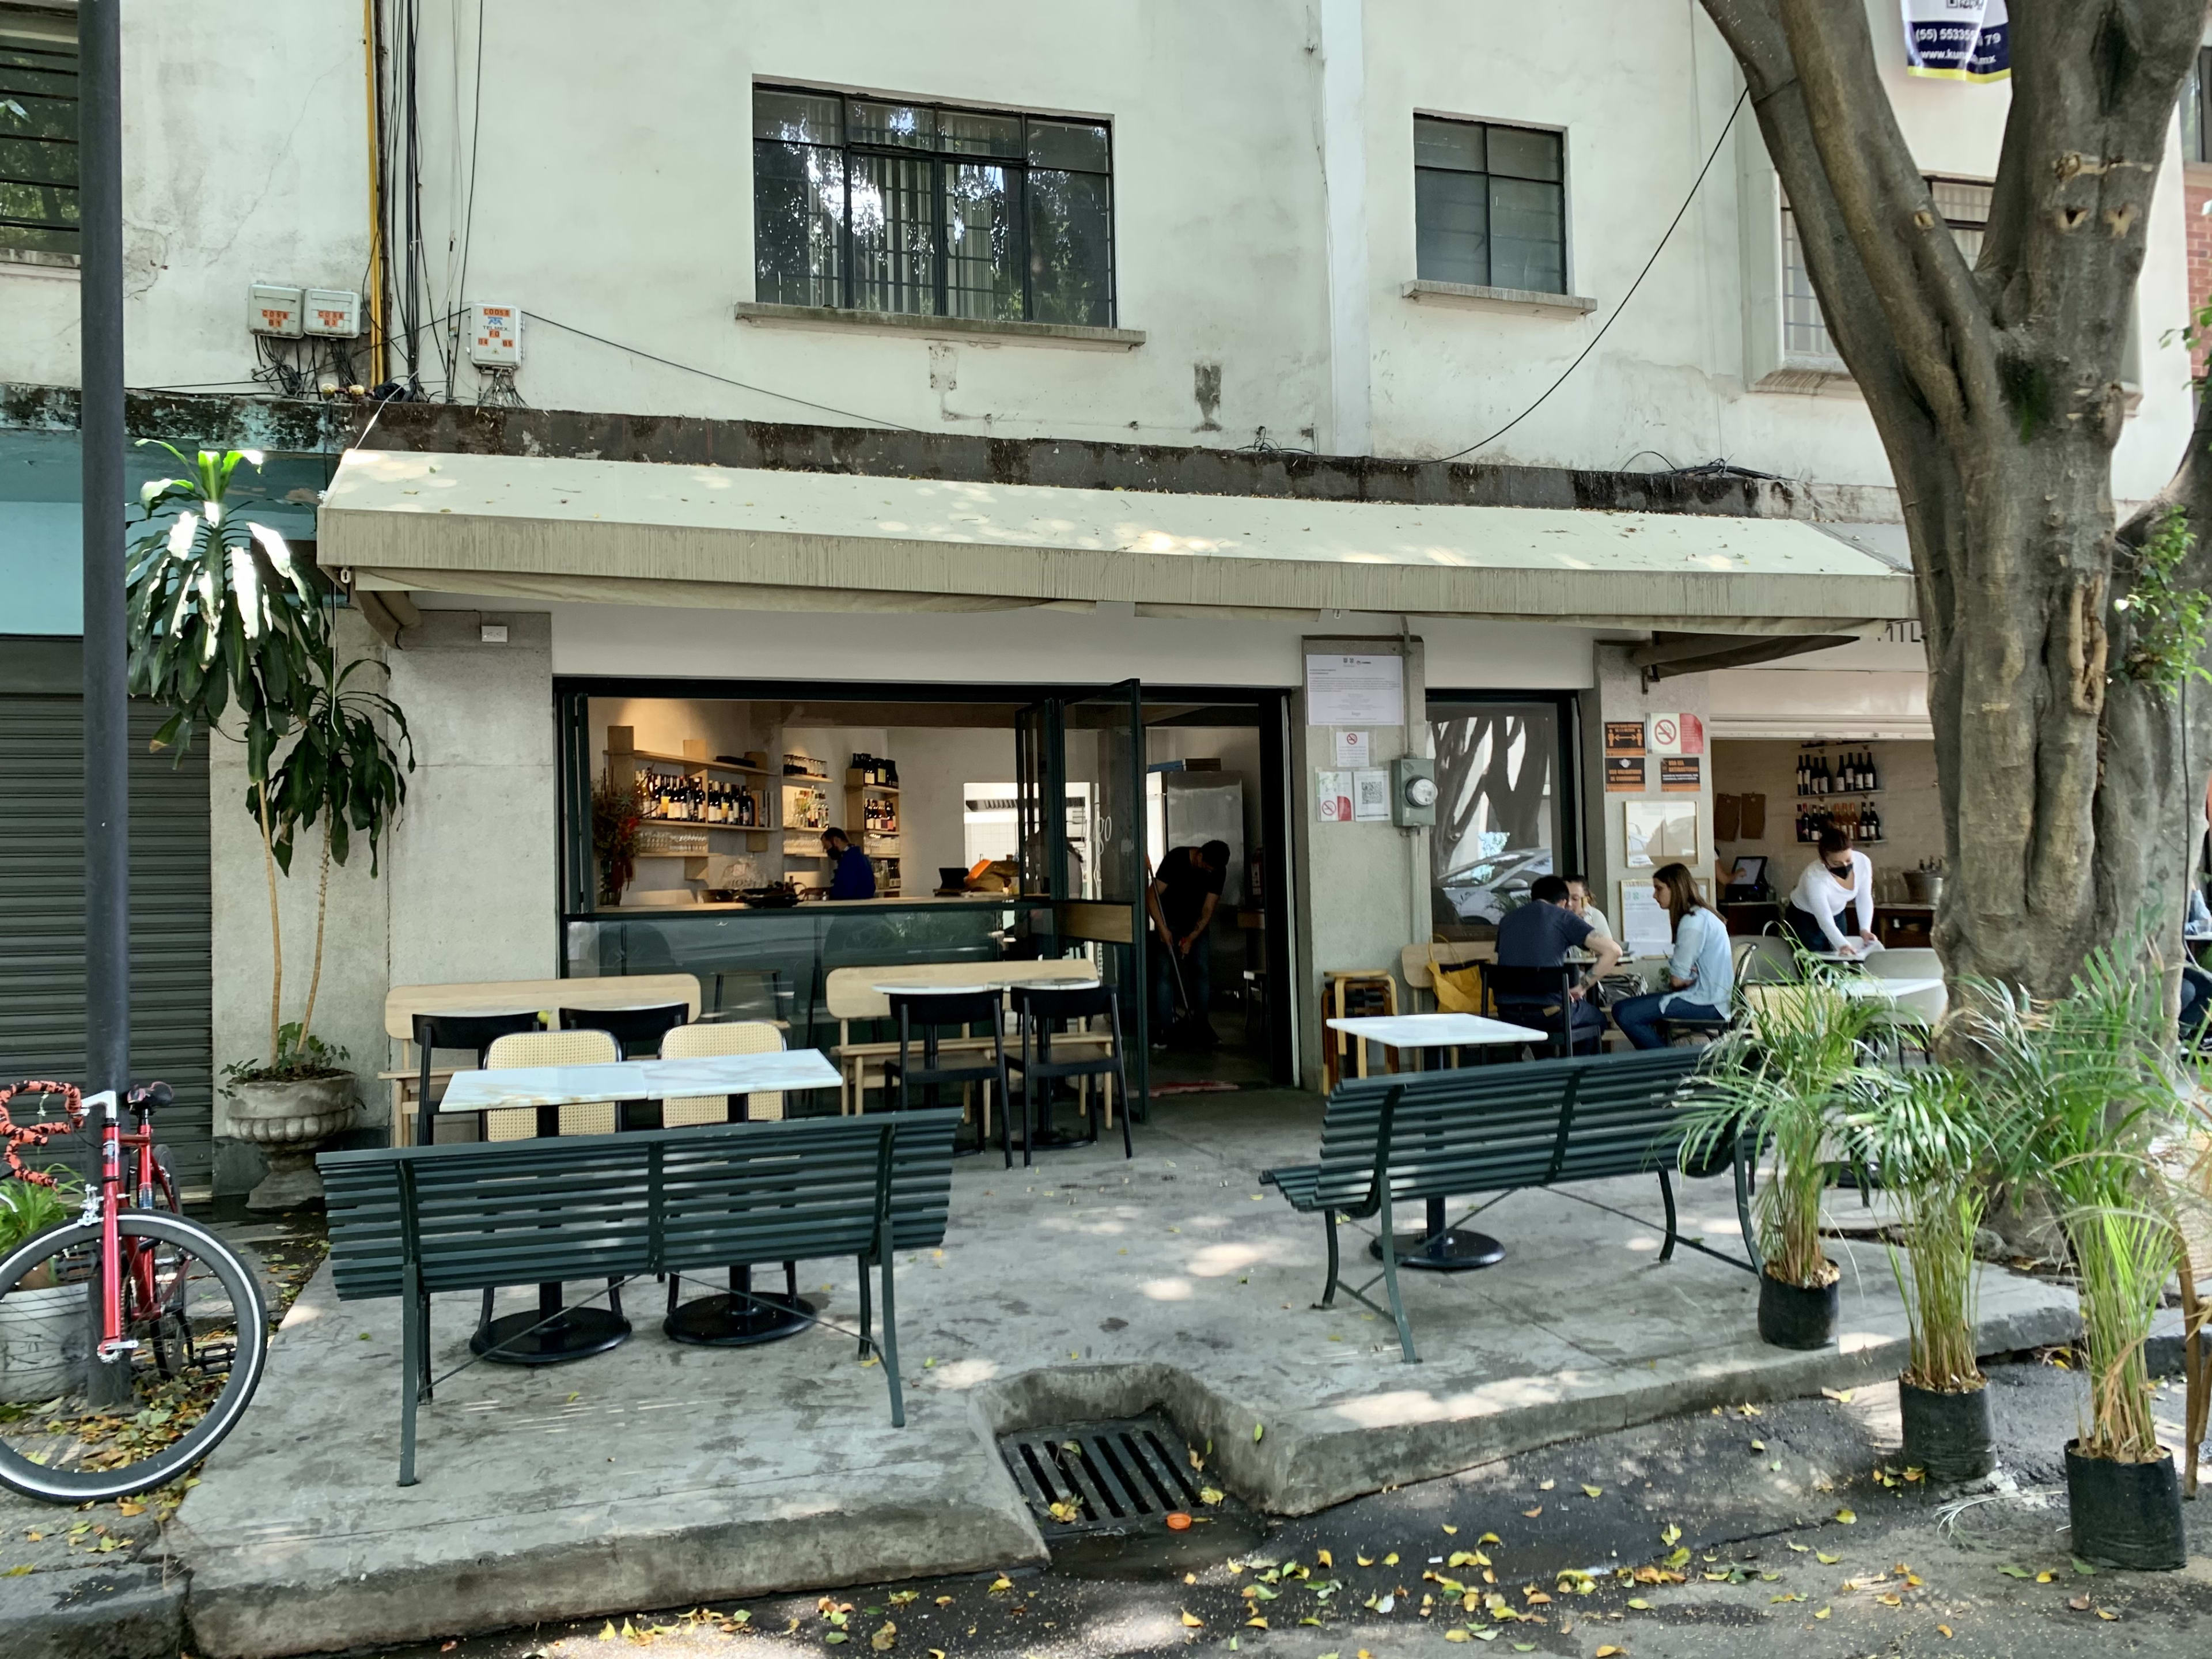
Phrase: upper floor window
x=1965 y=205
x=38 y=131
x=1490 y=205
x=940 y=212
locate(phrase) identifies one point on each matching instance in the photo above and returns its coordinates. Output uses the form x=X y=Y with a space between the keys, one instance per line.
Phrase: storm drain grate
x=1101 y=1477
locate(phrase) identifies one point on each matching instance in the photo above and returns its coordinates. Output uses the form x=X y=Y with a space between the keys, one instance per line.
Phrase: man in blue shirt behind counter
x=851 y=875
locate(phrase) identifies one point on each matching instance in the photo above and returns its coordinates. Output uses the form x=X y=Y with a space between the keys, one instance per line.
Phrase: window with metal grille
x=1965 y=205
x=869 y=205
x=1490 y=205
x=38 y=130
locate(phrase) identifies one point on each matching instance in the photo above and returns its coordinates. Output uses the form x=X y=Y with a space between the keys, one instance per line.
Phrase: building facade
x=852 y=392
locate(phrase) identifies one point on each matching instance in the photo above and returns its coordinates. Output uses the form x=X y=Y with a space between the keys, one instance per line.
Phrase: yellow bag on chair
x=1458 y=990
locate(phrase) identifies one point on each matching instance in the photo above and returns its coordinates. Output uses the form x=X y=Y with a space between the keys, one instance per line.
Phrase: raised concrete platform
x=660 y=1475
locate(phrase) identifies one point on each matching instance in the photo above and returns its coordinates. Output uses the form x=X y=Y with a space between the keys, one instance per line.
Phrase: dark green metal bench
x=413 y=1221
x=1495 y=1129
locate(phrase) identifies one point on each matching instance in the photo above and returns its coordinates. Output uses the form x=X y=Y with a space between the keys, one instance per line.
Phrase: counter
x=704 y=907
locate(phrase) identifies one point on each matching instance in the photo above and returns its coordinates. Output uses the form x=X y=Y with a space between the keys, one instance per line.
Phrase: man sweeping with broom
x=1181 y=898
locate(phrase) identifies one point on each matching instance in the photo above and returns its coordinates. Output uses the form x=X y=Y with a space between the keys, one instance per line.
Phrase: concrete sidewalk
x=659 y=1475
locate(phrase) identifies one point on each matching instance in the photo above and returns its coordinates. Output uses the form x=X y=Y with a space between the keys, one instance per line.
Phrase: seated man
x=1539 y=934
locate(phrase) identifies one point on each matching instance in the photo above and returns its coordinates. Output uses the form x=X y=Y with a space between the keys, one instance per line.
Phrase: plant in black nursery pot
x=2093 y=1097
x=1928 y=1139
x=1786 y=1078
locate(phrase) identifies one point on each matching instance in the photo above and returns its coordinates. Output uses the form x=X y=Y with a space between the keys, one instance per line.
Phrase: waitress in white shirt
x=1840 y=881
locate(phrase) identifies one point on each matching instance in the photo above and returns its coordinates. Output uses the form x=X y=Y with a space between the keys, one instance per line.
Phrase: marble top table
x=1870 y=985
x=1440 y=1248
x=638 y=1080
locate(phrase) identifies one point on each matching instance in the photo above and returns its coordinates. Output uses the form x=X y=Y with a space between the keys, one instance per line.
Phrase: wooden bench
x=1494 y=1129
x=850 y=995
x=413 y=1221
x=404 y=1002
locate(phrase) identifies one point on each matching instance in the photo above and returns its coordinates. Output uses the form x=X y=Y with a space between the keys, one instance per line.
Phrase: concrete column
x=1620 y=694
x=1363 y=888
x=1344 y=167
x=474 y=893
x=350 y=999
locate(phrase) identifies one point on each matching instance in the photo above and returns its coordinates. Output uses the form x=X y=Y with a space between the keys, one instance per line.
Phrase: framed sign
x=1624 y=738
x=1677 y=734
x=1679 y=774
x=1624 y=774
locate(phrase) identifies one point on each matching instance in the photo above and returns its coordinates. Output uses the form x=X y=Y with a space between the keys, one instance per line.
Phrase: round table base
x=734 y=1322
x=572 y=1333
x=1457 y=1250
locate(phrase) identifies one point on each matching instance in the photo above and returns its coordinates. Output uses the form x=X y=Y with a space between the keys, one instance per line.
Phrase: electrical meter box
x=1413 y=793
x=496 y=336
x=334 y=314
x=273 y=309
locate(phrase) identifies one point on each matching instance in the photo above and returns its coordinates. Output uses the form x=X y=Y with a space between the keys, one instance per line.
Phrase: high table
x=1042 y=1134
x=555 y=1333
x=1440 y=1248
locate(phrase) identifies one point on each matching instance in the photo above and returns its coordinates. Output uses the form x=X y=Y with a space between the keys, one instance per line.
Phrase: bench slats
x=518 y=1212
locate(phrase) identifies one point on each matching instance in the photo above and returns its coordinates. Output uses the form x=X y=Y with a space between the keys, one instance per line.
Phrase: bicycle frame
x=104 y=1201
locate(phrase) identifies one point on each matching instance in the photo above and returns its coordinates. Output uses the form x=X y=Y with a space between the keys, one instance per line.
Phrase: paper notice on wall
x=1370 y=796
x=1354 y=748
x=1355 y=690
x=1332 y=797
x=1957 y=39
x=1646 y=930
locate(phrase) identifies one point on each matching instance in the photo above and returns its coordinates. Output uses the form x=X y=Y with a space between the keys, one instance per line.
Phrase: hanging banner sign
x=1957 y=39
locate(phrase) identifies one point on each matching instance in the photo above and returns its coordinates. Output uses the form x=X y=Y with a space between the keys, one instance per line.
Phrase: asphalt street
x=1792 y=1527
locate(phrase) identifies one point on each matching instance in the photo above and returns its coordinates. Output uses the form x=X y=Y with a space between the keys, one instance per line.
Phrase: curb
x=93 y=1612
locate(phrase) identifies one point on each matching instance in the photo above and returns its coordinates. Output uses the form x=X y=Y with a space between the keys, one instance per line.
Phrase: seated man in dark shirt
x=1539 y=934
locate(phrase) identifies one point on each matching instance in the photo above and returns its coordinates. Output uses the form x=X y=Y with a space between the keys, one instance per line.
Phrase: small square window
x=1490 y=206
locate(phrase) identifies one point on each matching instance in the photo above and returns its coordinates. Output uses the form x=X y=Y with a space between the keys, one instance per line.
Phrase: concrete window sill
x=1507 y=299
x=32 y=262
x=1807 y=373
x=1047 y=334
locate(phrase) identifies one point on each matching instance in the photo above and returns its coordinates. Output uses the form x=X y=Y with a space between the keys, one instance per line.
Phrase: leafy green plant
x=299 y=1057
x=223 y=620
x=1930 y=1136
x=28 y=1208
x=1800 y=1063
x=2092 y=1095
x=2172 y=624
x=227 y=626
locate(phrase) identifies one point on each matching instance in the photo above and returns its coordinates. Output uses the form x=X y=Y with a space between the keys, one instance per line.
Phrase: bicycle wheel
x=72 y=1429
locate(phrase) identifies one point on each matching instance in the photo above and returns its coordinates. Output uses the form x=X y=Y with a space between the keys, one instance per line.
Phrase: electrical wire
x=708 y=374
x=1715 y=155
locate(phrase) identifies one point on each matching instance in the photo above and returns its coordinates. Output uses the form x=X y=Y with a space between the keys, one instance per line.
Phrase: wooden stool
x=1351 y=994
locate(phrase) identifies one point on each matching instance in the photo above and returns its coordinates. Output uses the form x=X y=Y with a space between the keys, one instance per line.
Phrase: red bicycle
x=130 y=1340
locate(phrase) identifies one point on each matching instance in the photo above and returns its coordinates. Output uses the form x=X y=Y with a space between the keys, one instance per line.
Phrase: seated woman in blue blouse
x=1701 y=970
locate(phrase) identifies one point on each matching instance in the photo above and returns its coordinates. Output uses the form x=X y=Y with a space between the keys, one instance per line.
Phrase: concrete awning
x=632 y=533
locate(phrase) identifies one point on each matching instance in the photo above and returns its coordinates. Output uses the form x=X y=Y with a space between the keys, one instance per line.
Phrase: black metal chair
x=930 y=1016
x=636 y=1031
x=1538 y=997
x=1042 y=1010
x=1674 y=1028
x=473 y=1032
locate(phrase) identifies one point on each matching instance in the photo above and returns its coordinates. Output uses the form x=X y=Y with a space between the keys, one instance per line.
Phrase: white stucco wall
x=246 y=147
x=613 y=193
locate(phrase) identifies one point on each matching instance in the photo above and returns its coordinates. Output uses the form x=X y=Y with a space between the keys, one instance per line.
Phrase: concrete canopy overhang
x=692 y=536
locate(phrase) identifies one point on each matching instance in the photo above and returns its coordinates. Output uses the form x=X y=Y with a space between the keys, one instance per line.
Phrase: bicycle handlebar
x=16 y=1137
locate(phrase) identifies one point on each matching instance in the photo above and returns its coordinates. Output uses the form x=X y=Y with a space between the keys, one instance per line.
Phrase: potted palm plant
x=1928 y=1138
x=2093 y=1098
x=1785 y=1079
x=227 y=627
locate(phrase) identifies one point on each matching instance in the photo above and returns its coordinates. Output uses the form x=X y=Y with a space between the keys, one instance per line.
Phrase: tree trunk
x=276 y=926
x=322 y=914
x=1995 y=391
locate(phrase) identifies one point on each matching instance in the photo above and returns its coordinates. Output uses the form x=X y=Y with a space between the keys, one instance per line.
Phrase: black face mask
x=1844 y=871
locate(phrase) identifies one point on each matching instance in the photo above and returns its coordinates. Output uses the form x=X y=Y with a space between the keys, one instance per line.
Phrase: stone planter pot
x=45 y=1337
x=289 y=1121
